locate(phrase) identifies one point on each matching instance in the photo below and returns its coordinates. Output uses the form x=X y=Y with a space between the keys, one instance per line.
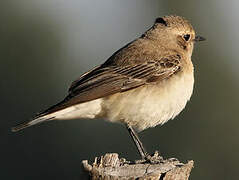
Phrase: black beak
x=199 y=38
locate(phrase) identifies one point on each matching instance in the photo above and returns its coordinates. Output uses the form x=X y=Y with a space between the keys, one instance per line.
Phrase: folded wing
x=103 y=81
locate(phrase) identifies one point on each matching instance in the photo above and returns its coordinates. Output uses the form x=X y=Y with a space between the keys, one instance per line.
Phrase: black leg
x=137 y=142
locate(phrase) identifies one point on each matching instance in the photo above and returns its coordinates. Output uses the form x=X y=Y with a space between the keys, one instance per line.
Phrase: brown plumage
x=143 y=84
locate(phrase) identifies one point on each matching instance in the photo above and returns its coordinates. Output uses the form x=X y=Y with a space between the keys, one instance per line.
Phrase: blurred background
x=45 y=45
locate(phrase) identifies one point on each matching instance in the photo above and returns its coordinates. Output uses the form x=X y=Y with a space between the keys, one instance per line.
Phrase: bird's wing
x=103 y=81
x=106 y=80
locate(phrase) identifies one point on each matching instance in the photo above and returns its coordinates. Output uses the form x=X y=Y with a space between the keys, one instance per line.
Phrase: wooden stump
x=110 y=167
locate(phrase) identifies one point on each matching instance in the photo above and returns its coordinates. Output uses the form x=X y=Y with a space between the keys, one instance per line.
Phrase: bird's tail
x=37 y=120
x=46 y=115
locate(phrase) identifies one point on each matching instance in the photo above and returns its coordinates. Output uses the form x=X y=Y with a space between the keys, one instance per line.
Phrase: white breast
x=150 y=105
x=142 y=107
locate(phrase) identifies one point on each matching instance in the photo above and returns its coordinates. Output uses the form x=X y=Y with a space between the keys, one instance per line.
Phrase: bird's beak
x=199 y=38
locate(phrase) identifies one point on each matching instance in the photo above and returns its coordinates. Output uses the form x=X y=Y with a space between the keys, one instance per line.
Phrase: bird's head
x=174 y=32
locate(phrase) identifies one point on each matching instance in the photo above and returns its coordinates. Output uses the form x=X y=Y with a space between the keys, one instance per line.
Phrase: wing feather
x=103 y=81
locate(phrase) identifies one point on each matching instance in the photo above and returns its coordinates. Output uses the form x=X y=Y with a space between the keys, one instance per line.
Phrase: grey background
x=44 y=45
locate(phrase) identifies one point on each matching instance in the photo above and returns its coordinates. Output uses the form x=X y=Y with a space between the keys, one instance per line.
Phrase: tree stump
x=110 y=167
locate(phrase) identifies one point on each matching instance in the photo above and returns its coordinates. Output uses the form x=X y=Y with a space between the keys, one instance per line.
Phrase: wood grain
x=111 y=167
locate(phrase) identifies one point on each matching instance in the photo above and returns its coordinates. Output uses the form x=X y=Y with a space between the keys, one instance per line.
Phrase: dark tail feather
x=45 y=115
x=31 y=123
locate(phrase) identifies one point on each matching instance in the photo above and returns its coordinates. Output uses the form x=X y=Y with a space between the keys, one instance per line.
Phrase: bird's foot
x=152 y=159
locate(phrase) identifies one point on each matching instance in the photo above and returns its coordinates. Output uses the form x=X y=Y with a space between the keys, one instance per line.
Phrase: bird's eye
x=186 y=37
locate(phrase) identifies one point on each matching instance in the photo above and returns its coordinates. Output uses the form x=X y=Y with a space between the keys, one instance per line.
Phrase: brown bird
x=144 y=84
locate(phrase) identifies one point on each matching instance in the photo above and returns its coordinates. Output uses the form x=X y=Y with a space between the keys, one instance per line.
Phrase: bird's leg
x=137 y=142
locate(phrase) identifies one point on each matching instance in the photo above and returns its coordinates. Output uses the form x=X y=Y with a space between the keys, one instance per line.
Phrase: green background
x=45 y=45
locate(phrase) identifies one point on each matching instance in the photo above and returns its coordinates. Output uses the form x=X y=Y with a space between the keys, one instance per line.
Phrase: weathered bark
x=110 y=167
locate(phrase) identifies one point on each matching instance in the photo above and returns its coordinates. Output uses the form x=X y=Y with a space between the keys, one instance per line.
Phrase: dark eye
x=161 y=21
x=186 y=37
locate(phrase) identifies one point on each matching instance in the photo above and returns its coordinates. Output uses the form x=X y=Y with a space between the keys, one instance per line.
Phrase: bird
x=144 y=84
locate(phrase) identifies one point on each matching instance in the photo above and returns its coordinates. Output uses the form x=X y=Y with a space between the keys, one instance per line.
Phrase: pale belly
x=150 y=105
x=142 y=107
